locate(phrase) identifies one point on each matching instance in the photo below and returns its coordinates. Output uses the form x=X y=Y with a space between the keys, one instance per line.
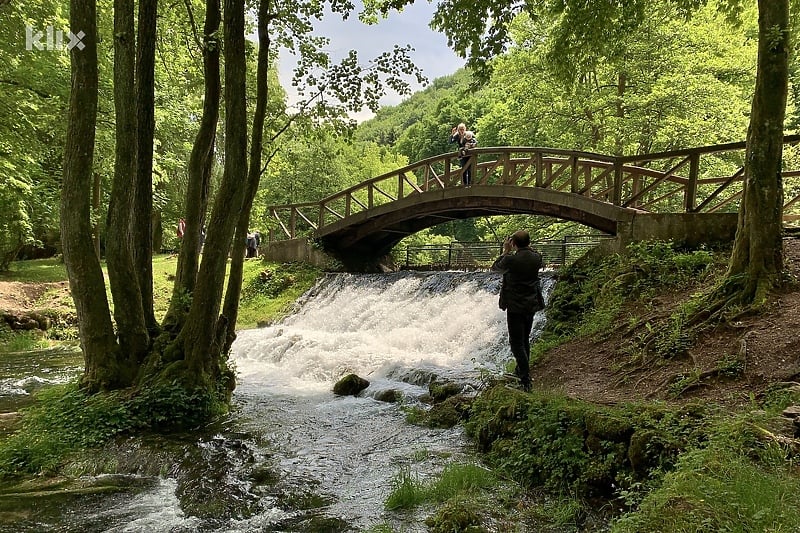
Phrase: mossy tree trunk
x=201 y=164
x=128 y=311
x=234 y=289
x=757 y=259
x=141 y=231
x=83 y=267
x=198 y=345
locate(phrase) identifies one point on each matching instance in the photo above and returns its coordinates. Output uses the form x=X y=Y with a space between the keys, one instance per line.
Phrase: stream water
x=292 y=456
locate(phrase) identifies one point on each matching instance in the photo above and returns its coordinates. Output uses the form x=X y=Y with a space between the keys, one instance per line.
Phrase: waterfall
x=387 y=328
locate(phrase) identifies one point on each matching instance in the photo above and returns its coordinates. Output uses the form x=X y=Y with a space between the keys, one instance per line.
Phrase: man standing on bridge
x=521 y=297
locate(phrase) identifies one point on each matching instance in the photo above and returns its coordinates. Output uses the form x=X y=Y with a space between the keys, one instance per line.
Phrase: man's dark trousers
x=519 y=338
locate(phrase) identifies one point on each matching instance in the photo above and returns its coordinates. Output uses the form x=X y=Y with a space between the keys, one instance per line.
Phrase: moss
x=440 y=391
x=608 y=426
x=456 y=515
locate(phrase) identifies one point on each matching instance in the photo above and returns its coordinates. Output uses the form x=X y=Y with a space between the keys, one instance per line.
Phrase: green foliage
x=738 y=481
x=66 y=419
x=269 y=289
x=456 y=515
x=407 y=491
x=21 y=341
x=574 y=447
x=591 y=292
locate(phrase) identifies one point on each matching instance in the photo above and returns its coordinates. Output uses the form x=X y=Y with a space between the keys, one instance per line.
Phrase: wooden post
x=691 y=187
x=574 y=186
x=538 y=177
x=617 y=198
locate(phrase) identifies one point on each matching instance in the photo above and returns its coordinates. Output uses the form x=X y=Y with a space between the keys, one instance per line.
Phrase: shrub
x=66 y=419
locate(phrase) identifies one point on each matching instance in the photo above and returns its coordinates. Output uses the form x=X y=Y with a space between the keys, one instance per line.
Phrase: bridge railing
x=459 y=255
x=704 y=179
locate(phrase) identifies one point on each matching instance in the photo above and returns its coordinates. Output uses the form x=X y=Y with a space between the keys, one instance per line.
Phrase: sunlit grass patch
x=269 y=290
x=456 y=478
x=740 y=481
x=36 y=271
x=22 y=341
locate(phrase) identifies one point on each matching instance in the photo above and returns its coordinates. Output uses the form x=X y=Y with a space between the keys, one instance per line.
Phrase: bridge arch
x=377 y=231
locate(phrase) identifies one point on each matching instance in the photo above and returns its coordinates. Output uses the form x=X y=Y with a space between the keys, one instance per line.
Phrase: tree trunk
x=83 y=268
x=128 y=311
x=757 y=258
x=201 y=163
x=201 y=344
x=96 y=211
x=232 y=294
x=143 y=196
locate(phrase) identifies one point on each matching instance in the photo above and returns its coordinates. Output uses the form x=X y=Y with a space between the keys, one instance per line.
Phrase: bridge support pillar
x=689 y=229
x=296 y=250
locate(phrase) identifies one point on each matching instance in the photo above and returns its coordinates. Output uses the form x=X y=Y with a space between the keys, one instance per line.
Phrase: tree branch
x=15 y=83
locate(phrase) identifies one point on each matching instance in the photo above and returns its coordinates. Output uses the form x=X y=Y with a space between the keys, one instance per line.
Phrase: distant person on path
x=253 y=242
x=520 y=297
x=466 y=140
x=181 y=228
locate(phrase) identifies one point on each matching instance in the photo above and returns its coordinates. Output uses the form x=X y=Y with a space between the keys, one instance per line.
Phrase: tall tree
x=125 y=290
x=201 y=164
x=83 y=268
x=757 y=259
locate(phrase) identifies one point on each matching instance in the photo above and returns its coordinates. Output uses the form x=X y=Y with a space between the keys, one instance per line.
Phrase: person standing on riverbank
x=520 y=297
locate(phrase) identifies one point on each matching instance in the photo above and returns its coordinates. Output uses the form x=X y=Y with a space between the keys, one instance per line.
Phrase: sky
x=431 y=52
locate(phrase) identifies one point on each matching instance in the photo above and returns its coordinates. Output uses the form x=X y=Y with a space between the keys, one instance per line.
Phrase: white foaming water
x=376 y=326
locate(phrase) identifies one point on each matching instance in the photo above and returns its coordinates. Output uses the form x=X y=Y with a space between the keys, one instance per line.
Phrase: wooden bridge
x=600 y=191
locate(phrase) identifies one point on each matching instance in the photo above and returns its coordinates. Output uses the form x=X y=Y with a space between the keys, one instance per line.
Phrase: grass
x=720 y=489
x=23 y=341
x=456 y=479
x=263 y=300
x=36 y=271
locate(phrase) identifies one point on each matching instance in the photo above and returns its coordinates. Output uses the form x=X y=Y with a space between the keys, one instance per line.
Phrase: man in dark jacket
x=520 y=297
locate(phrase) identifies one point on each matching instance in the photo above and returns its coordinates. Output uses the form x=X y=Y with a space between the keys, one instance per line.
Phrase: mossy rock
x=606 y=426
x=649 y=449
x=456 y=516
x=389 y=396
x=440 y=391
x=350 y=385
x=449 y=412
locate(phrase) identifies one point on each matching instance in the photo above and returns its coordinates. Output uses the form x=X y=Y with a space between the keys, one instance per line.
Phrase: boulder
x=350 y=385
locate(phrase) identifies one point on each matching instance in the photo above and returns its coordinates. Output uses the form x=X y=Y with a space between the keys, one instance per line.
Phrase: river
x=292 y=456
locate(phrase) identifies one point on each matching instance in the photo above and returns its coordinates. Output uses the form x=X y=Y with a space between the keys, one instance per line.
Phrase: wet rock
x=389 y=396
x=440 y=391
x=350 y=385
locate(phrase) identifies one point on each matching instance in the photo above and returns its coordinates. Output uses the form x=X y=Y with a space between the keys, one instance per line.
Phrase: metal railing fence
x=479 y=255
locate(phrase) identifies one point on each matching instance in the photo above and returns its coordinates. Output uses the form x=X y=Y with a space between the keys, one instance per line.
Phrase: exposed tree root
x=792 y=444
